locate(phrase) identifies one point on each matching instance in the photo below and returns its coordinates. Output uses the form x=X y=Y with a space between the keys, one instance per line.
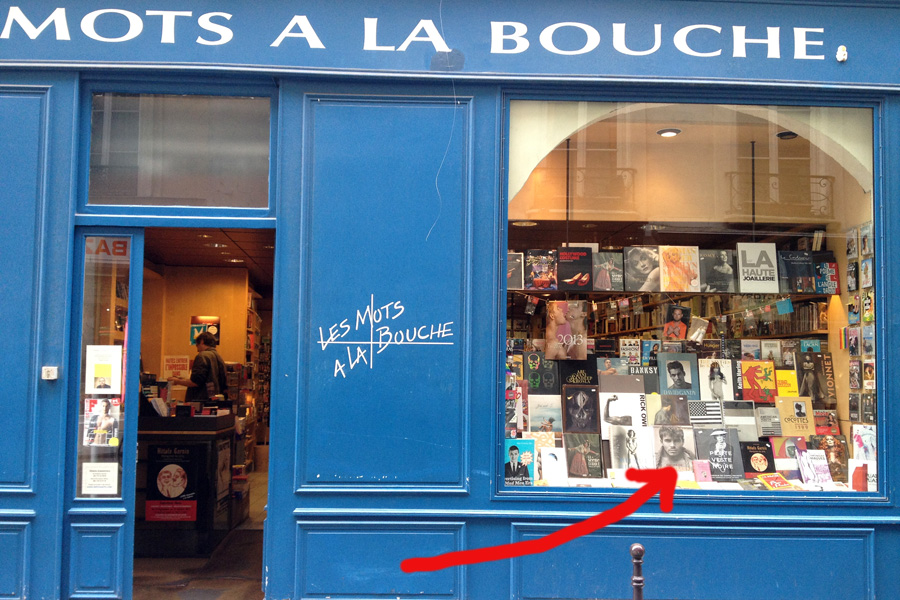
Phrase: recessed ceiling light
x=234 y=260
x=524 y=223
x=215 y=245
x=786 y=135
x=269 y=247
x=590 y=226
x=225 y=253
x=668 y=132
x=204 y=236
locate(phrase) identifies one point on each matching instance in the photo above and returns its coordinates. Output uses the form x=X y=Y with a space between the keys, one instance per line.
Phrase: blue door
x=35 y=131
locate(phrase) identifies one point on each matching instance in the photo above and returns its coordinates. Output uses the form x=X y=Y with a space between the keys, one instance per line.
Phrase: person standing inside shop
x=207 y=373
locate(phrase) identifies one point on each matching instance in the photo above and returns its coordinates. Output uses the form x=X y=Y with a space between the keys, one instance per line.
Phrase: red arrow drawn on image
x=660 y=481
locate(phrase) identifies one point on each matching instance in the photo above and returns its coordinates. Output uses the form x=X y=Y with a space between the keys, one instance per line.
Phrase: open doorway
x=206 y=541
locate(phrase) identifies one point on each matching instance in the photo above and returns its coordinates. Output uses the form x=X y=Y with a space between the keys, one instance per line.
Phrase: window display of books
x=714 y=361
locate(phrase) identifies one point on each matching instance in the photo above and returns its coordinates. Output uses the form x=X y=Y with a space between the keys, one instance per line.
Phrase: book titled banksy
x=757 y=268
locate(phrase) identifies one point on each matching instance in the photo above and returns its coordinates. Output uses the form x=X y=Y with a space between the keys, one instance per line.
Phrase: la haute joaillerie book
x=757 y=268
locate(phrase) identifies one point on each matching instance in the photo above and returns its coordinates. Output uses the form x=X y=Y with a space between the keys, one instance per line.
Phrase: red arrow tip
x=663 y=480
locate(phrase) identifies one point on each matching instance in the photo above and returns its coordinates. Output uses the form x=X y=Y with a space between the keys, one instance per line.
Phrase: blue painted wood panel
x=21 y=170
x=386 y=296
x=96 y=561
x=701 y=563
x=362 y=560
x=14 y=547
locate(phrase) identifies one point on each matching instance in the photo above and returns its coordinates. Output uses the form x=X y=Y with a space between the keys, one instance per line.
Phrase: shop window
x=166 y=150
x=691 y=285
x=102 y=383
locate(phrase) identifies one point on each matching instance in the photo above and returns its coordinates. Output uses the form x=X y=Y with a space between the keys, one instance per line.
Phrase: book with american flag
x=705 y=412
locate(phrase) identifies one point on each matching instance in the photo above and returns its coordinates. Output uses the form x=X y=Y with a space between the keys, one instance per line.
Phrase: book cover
x=866 y=273
x=565 y=334
x=578 y=372
x=852 y=243
x=828 y=279
x=668 y=409
x=519 y=468
x=677 y=320
x=775 y=481
x=768 y=421
x=545 y=412
x=678 y=374
x=868 y=339
x=649 y=351
x=826 y=422
x=540 y=269
x=583 y=456
x=810 y=345
x=796 y=416
x=642 y=269
x=853 y=402
x=612 y=366
x=867 y=311
x=866 y=247
x=630 y=348
x=622 y=384
x=867 y=407
x=796 y=272
x=581 y=409
x=717 y=271
x=696 y=333
x=711 y=348
x=740 y=414
x=859 y=476
x=816 y=379
x=553 y=466
x=732 y=349
x=814 y=467
x=751 y=349
x=854 y=374
x=608 y=272
x=625 y=410
x=836 y=454
x=789 y=350
x=101 y=422
x=705 y=412
x=605 y=347
x=785 y=450
x=721 y=447
x=865 y=442
x=757 y=268
x=869 y=374
x=650 y=376
x=758 y=378
x=853 y=340
x=631 y=447
x=672 y=346
x=852 y=276
x=716 y=379
x=515 y=270
x=674 y=447
x=757 y=458
x=786 y=382
x=702 y=471
x=542 y=375
x=679 y=268
x=771 y=350
x=573 y=269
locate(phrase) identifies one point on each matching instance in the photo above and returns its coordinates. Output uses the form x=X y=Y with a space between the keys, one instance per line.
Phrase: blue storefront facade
x=394 y=154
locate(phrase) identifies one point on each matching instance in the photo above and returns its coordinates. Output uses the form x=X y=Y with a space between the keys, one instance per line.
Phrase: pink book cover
x=701 y=470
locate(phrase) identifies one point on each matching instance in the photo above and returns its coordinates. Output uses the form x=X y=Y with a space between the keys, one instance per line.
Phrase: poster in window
x=102 y=420
x=173 y=476
x=103 y=370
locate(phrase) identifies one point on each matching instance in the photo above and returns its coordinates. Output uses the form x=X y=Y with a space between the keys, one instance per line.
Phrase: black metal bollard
x=637 y=576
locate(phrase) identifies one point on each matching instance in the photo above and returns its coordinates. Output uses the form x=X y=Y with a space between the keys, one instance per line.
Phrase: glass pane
x=100 y=404
x=179 y=151
x=691 y=285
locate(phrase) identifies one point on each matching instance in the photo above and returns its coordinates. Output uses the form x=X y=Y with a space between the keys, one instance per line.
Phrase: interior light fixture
x=215 y=245
x=524 y=223
x=668 y=132
x=786 y=135
x=204 y=236
x=234 y=260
